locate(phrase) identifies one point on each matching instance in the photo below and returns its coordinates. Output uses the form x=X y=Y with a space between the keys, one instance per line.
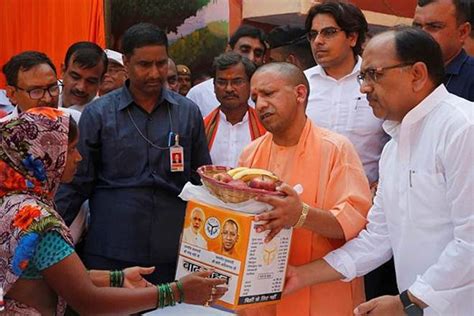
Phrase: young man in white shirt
x=247 y=41
x=233 y=124
x=422 y=213
x=336 y=32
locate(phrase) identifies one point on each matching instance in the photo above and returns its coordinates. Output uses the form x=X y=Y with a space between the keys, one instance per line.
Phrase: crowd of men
x=379 y=133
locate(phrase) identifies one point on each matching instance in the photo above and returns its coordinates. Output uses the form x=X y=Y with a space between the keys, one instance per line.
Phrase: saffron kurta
x=333 y=179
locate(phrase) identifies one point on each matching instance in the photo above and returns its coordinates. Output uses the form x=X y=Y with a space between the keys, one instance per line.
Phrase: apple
x=238 y=184
x=222 y=177
x=263 y=182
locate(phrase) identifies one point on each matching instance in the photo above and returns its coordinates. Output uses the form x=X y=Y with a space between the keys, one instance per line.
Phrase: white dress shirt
x=192 y=238
x=423 y=209
x=230 y=140
x=203 y=95
x=338 y=105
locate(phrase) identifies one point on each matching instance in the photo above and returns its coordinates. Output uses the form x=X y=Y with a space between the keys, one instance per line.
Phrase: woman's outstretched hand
x=133 y=277
x=199 y=289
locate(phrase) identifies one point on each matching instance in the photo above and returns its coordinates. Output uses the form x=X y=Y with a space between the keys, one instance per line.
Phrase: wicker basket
x=226 y=192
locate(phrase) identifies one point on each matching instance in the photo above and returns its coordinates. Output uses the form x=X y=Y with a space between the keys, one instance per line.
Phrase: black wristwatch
x=411 y=309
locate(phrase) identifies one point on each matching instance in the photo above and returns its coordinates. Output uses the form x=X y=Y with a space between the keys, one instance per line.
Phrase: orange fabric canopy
x=49 y=26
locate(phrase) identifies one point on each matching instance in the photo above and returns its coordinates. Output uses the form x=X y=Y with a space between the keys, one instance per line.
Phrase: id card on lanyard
x=176 y=156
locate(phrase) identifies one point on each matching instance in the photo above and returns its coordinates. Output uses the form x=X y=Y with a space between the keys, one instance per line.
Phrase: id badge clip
x=176 y=156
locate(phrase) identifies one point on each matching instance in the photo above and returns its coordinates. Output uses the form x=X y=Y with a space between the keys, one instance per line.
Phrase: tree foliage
x=167 y=14
x=199 y=48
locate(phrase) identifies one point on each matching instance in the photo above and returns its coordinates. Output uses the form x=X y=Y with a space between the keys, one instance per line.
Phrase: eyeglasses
x=326 y=33
x=38 y=93
x=371 y=75
x=222 y=83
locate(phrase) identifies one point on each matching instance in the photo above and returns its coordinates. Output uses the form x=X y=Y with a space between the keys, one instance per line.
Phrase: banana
x=250 y=173
x=231 y=172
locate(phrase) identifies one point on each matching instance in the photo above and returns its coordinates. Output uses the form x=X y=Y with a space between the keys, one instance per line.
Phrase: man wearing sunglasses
x=32 y=82
x=336 y=32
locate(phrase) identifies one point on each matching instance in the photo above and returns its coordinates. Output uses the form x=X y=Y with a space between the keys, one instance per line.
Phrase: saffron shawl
x=211 y=124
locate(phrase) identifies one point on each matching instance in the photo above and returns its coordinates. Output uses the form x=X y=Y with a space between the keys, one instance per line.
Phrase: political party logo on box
x=213 y=227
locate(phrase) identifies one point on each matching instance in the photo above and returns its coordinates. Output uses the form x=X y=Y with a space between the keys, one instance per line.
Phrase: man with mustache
x=335 y=199
x=448 y=22
x=172 y=76
x=233 y=124
x=184 y=79
x=422 y=213
x=127 y=140
x=32 y=82
x=247 y=41
x=116 y=73
x=84 y=67
x=336 y=31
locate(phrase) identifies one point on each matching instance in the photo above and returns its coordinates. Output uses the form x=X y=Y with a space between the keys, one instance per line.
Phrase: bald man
x=336 y=196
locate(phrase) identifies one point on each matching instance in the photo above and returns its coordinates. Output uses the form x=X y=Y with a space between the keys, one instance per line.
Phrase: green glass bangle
x=162 y=296
x=179 y=285
x=158 y=296
x=121 y=276
x=171 y=296
x=111 y=277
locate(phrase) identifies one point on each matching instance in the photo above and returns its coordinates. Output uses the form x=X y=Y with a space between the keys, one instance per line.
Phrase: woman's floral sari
x=33 y=150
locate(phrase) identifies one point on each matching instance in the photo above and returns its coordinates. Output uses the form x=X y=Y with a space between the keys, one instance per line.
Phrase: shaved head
x=289 y=72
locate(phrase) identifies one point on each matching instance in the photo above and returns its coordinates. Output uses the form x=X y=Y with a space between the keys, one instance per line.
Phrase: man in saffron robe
x=233 y=124
x=336 y=197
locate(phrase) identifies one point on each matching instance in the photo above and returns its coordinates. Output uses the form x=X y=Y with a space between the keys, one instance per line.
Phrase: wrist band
x=302 y=219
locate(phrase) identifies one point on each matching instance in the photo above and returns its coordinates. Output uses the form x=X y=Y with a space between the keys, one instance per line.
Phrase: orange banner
x=49 y=26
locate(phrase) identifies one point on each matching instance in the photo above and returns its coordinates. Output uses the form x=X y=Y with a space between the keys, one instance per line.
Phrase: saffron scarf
x=211 y=124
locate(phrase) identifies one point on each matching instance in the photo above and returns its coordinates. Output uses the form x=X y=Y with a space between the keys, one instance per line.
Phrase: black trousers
x=381 y=281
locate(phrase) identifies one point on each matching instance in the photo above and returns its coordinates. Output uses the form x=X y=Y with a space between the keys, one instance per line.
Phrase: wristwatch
x=411 y=309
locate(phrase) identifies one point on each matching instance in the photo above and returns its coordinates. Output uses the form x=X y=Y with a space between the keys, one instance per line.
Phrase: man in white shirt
x=233 y=124
x=32 y=82
x=247 y=41
x=192 y=233
x=336 y=32
x=422 y=213
x=84 y=67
